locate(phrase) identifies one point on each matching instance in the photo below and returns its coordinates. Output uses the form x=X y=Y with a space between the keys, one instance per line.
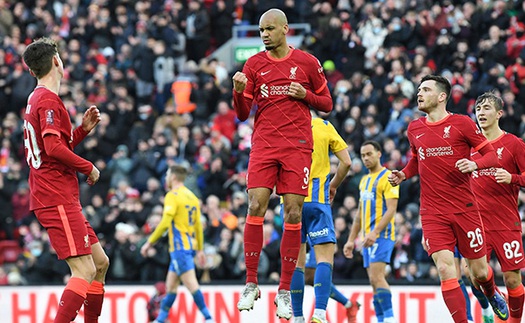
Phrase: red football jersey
x=498 y=203
x=437 y=147
x=50 y=181
x=280 y=120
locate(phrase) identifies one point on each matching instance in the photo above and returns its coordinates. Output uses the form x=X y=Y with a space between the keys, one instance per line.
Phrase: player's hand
x=93 y=176
x=239 y=82
x=502 y=176
x=370 y=239
x=333 y=191
x=424 y=243
x=297 y=91
x=466 y=166
x=91 y=118
x=348 y=249
x=201 y=259
x=144 y=249
x=396 y=177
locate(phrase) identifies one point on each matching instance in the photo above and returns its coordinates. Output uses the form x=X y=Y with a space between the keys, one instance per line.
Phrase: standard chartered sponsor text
x=279 y=89
x=439 y=151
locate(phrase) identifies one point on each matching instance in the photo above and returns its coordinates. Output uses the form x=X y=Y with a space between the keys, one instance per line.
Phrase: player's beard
x=269 y=47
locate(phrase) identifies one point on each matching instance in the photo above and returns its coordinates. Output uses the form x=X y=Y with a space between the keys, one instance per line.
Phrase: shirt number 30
x=34 y=158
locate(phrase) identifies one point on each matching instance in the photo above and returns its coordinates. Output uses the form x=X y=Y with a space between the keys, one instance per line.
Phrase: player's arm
x=199 y=235
x=320 y=100
x=410 y=170
x=488 y=159
x=345 y=162
x=503 y=176
x=242 y=102
x=90 y=119
x=349 y=246
x=56 y=149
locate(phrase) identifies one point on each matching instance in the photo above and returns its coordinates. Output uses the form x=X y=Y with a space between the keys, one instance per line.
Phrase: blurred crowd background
x=146 y=66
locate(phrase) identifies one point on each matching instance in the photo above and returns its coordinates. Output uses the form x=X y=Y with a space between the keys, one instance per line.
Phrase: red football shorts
x=508 y=248
x=287 y=169
x=69 y=231
x=445 y=231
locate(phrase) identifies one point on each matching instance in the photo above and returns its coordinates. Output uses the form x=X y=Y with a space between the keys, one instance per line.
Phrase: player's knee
x=292 y=216
x=375 y=280
x=512 y=280
x=256 y=208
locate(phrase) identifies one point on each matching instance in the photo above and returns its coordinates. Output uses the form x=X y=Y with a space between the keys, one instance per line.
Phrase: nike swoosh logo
x=477 y=250
x=518 y=261
x=264 y=73
x=304 y=187
x=420 y=135
x=515 y=310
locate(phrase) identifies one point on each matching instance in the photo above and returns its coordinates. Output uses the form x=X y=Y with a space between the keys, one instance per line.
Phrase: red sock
x=488 y=286
x=454 y=300
x=93 y=303
x=516 y=299
x=253 y=241
x=72 y=299
x=290 y=245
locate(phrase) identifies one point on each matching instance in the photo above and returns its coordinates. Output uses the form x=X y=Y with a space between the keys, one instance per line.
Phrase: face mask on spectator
x=36 y=252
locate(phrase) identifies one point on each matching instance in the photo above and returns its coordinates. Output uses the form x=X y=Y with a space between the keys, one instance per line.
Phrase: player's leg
x=172 y=284
x=253 y=240
x=379 y=256
x=95 y=293
x=297 y=285
x=483 y=275
x=509 y=250
x=458 y=260
x=82 y=274
x=335 y=294
x=452 y=294
x=69 y=237
x=515 y=293
x=189 y=279
x=471 y=242
x=290 y=245
x=323 y=279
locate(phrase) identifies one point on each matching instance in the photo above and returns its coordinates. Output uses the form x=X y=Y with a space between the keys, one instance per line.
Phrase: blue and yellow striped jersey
x=326 y=141
x=182 y=219
x=374 y=190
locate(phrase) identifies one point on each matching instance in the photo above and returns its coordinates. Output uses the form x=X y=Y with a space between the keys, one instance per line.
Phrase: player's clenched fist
x=93 y=176
x=239 y=81
x=396 y=177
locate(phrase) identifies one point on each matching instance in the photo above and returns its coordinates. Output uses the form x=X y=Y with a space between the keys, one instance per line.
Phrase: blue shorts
x=317 y=224
x=182 y=261
x=381 y=251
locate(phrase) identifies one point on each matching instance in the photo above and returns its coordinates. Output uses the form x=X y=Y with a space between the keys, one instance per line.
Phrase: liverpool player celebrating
x=496 y=190
x=441 y=144
x=49 y=140
x=282 y=82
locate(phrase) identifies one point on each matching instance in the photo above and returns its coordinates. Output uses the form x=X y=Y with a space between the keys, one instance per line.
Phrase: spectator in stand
x=197 y=29
x=225 y=120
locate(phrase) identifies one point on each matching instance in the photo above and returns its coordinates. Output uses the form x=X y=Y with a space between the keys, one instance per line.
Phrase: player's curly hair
x=39 y=56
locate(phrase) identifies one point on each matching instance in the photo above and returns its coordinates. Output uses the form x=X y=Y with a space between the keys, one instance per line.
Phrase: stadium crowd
x=146 y=66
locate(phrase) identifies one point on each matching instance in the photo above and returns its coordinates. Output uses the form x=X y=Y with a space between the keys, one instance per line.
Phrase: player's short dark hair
x=39 y=56
x=372 y=143
x=442 y=83
x=492 y=98
x=179 y=171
